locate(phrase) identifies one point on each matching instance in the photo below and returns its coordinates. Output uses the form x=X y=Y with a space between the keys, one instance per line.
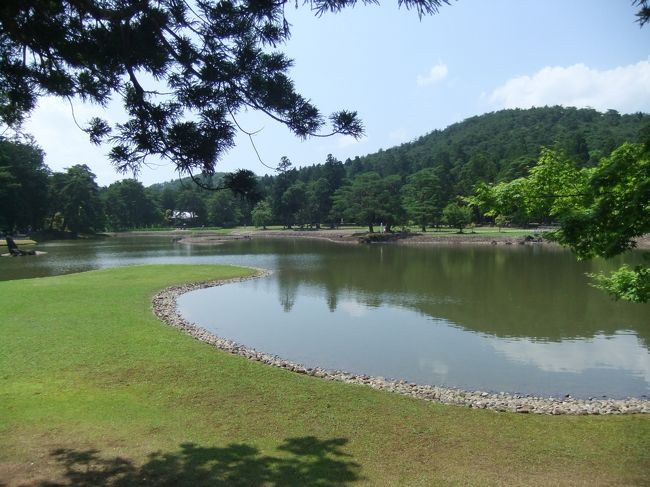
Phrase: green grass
x=94 y=390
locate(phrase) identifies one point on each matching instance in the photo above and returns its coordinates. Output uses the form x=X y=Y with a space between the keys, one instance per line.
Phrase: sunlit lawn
x=94 y=390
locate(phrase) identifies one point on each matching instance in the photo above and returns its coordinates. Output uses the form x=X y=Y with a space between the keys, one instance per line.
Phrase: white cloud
x=624 y=88
x=353 y=308
x=435 y=74
x=619 y=351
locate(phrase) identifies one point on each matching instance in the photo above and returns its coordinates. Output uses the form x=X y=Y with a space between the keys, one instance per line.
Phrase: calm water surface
x=519 y=319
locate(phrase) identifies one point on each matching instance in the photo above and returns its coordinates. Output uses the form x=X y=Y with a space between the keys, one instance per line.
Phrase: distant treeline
x=419 y=182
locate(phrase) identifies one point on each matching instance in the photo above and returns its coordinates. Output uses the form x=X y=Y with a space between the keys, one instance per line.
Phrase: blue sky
x=407 y=77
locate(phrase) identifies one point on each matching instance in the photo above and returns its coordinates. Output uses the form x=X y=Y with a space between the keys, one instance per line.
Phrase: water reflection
x=518 y=319
x=398 y=342
x=542 y=294
x=619 y=351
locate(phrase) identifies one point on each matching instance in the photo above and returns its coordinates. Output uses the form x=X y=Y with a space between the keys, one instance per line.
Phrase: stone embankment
x=164 y=306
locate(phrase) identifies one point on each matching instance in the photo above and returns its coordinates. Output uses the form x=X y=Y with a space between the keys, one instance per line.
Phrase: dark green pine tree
x=213 y=60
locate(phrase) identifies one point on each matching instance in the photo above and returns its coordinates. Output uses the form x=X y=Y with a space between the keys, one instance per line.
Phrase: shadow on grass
x=301 y=461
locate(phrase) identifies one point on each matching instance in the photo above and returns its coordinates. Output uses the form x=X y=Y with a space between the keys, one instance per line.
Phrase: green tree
x=262 y=214
x=615 y=208
x=357 y=200
x=190 y=199
x=500 y=221
x=370 y=199
x=601 y=211
x=333 y=171
x=224 y=210
x=614 y=211
x=321 y=191
x=127 y=205
x=457 y=216
x=75 y=196
x=422 y=198
x=286 y=177
x=554 y=186
x=23 y=185
x=319 y=201
x=215 y=59
x=167 y=199
x=294 y=203
x=390 y=211
x=629 y=284
x=509 y=199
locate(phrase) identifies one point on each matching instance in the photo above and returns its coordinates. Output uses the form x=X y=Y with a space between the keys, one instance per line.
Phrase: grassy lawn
x=94 y=390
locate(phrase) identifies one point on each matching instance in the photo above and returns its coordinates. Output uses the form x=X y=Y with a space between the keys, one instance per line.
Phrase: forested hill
x=413 y=182
x=496 y=146
x=503 y=145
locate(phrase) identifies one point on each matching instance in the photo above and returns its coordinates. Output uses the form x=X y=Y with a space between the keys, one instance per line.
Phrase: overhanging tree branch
x=212 y=55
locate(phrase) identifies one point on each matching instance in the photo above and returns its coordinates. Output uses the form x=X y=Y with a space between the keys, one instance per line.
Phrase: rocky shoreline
x=164 y=307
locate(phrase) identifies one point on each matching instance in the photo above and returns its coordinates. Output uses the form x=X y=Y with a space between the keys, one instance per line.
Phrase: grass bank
x=94 y=390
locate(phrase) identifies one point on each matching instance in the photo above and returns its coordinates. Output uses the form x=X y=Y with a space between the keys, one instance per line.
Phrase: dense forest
x=417 y=183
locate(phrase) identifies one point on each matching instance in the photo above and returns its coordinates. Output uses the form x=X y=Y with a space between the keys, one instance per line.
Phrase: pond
x=517 y=319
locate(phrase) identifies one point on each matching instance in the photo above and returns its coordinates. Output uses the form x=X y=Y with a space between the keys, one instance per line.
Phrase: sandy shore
x=346 y=236
x=354 y=236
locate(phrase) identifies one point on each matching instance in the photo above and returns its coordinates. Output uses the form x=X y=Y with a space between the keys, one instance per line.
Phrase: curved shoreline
x=356 y=238
x=352 y=236
x=164 y=307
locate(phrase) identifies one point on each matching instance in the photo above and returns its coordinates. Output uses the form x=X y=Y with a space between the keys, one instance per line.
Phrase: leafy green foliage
x=224 y=210
x=616 y=207
x=23 y=185
x=370 y=199
x=601 y=210
x=127 y=205
x=500 y=221
x=457 y=216
x=505 y=145
x=508 y=199
x=190 y=200
x=307 y=195
x=75 y=197
x=422 y=198
x=554 y=186
x=626 y=283
x=261 y=214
